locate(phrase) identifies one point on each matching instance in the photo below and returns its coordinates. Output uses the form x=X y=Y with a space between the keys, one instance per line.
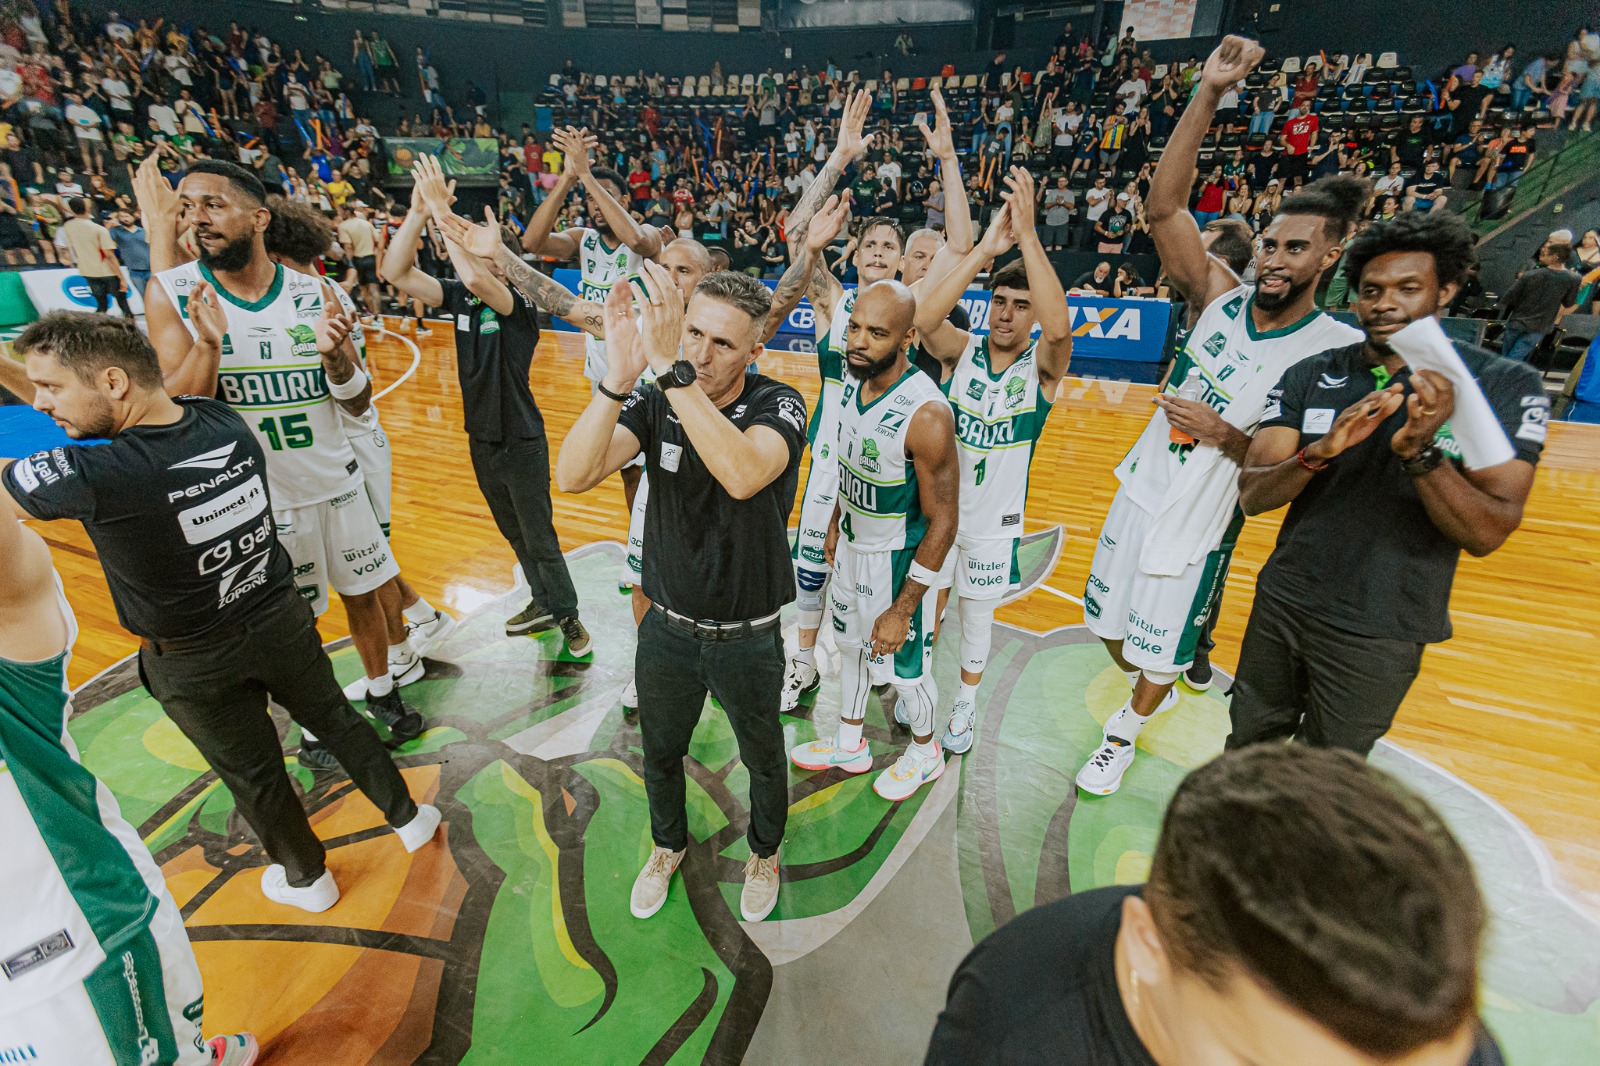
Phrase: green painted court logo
x=302 y=342
x=869 y=455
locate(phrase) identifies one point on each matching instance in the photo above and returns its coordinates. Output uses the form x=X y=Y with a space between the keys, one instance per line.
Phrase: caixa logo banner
x=1129 y=330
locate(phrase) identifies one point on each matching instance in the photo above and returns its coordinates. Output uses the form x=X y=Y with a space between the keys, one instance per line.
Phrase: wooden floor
x=1509 y=705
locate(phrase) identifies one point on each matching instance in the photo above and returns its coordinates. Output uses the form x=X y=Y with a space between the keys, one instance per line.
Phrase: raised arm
x=537 y=238
x=851 y=146
x=1054 y=350
x=958 y=230
x=189 y=362
x=159 y=207
x=399 y=264
x=597 y=446
x=1172 y=227
x=543 y=291
x=937 y=336
x=644 y=239
x=471 y=269
x=800 y=277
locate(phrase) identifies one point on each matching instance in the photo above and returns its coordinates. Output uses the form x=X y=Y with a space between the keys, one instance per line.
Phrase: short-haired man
x=722 y=447
x=892 y=527
x=181 y=517
x=1380 y=508
x=1001 y=388
x=94 y=253
x=1343 y=927
x=1168 y=537
x=360 y=243
x=1538 y=301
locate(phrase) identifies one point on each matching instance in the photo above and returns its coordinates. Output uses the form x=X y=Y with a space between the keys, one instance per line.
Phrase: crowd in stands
x=723 y=156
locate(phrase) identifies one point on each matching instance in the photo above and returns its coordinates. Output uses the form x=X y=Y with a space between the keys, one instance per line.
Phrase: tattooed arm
x=541 y=290
x=852 y=145
x=808 y=273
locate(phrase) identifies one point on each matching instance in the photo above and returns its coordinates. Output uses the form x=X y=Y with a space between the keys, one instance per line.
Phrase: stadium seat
x=1159 y=72
x=748 y=82
x=969 y=82
x=1388 y=61
x=902 y=85
x=1290 y=65
x=935 y=82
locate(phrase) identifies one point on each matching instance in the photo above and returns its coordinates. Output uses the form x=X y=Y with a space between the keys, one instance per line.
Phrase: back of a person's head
x=1330 y=884
x=1338 y=200
x=78 y=206
x=297 y=232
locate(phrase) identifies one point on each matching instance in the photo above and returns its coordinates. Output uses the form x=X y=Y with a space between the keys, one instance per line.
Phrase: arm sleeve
x=636 y=415
x=51 y=484
x=784 y=410
x=964 y=1032
x=1286 y=400
x=1517 y=395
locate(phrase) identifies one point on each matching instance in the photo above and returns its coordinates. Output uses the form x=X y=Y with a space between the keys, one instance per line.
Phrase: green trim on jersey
x=863 y=409
x=257 y=305
x=129 y=997
x=1273 y=334
x=830 y=367
x=63 y=799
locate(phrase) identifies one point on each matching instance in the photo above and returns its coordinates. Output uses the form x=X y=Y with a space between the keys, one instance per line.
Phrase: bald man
x=893 y=523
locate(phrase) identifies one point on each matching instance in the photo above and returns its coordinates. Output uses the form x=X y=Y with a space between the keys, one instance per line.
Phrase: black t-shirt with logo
x=493 y=354
x=1043 y=989
x=179 y=515
x=924 y=361
x=1357 y=548
x=712 y=557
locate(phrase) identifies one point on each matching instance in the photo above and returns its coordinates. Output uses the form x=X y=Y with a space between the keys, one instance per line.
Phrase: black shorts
x=11 y=235
x=366 y=269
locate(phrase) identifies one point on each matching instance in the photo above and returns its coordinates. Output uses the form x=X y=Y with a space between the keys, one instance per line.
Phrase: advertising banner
x=66 y=290
x=459 y=157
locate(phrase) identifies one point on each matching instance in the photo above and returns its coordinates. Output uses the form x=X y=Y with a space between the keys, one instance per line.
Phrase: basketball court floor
x=509 y=941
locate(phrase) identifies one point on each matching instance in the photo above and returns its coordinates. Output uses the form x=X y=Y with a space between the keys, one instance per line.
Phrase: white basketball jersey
x=272 y=375
x=999 y=419
x=1230 y=353
x=881 y=510
x=824 y=429
x=600 y=268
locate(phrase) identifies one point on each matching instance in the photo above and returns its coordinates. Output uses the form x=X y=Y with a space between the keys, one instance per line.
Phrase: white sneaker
x=799 y=678
x=1102 y=774
x=824 y=753
x=760 y=892
x=424 y=635
x=908 y=774
x=959 y=733
x=630 y=695
x=316 y=897
x=405 y=667
x=650 y=887
x=421 y=828
x=1169 y=701
x=424 y=331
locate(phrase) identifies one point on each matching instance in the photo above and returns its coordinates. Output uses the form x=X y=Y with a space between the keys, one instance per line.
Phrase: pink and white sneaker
x=238 y=1049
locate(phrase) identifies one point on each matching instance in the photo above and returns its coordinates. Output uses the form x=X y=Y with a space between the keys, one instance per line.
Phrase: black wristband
x=1424 y=461
x=600 y=387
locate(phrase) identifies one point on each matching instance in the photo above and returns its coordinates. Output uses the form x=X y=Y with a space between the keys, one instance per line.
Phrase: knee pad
x=808 y=600
x=977 y=626
x=920 y=698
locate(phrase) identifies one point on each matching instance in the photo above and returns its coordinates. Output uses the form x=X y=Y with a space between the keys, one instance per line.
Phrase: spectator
x=94 y=254
x=1059 y=205
x=1537 y=302
x=1098 y=280
x=133 y=250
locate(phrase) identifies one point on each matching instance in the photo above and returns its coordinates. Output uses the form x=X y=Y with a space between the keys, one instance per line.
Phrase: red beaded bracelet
x=1300 y=456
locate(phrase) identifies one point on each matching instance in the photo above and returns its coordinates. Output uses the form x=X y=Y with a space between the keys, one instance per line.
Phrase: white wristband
x=350 y=389
x=922 y=575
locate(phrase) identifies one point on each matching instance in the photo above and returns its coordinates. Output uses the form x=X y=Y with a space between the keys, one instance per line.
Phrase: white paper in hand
x=1483 y=440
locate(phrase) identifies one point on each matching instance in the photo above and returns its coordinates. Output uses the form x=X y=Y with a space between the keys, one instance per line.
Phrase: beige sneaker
x=760 y=893
x=650 y=887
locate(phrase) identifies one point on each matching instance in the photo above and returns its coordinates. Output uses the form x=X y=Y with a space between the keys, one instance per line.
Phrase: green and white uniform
x=599 y=268
x=822 y=480
x=1000 y=416
x=95 y=966
x=881 y=524
x=1158 y=617
x=271 y=373
x=365 y=433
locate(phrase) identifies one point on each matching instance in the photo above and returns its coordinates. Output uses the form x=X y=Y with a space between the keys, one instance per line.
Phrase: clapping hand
x=158 y=200
x=998 y=239
x=624 y=354
x=207 y=316
x=1428 y=408
x=660 y=316
x=436 y=193
x=575 y=145
x=482 y=241
x=332 y=327
x=1020 y=196
x=1356 y=423
x=828 y=221
x=853 y=144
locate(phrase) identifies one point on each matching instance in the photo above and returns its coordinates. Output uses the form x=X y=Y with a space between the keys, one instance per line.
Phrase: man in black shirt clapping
x=722 y=449
x=178 y=509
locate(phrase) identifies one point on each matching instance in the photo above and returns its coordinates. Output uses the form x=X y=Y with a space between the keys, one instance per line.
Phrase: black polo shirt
x=1357 y=548
x=179 y=515
x=925 y=362
x=712 y=557
x=1043 y=989
x=493 y=354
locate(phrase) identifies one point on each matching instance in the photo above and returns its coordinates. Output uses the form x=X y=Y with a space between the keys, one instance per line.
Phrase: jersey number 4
x=290 y=431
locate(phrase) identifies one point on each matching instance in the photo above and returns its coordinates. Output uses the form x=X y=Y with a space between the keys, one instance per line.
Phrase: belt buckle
x=707 y=630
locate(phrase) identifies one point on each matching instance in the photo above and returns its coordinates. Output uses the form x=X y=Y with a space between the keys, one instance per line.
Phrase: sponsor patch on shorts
x=36 y=955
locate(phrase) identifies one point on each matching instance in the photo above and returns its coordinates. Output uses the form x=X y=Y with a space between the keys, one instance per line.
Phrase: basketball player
x=99 y=968
x=271 y=368
x=609 y=252
x=887 y=538
x=879 y=254
x=296 y=238
x=1001 y=388
x=1170 y=532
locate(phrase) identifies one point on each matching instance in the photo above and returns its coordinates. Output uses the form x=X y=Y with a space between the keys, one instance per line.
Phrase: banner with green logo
x=459 y=157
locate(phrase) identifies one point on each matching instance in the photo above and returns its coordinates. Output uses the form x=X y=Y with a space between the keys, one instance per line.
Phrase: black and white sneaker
x=314 y=755
x=424 y=635
x=403 y=722
x=577 y=637
x=532 y=619
x=1198 y=674
x=800 y=679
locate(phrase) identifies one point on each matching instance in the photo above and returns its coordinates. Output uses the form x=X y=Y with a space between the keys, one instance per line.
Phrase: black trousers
x=216 y=692
x=103 y=290
x=1300 y=677
x=674 y=671
x=514 y=477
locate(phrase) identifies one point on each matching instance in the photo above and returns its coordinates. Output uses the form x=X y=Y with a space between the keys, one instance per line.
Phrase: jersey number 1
x=290 y=431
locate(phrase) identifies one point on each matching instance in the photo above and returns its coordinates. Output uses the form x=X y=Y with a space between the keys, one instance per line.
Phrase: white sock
x=419 y=612
x=401 y=651
x=967 y=692
x=922 y=751
x=306 y=734
x=379 y=686
x=1133 y=677
x=807 y=656
x=849 y=735
x=1127 y=724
